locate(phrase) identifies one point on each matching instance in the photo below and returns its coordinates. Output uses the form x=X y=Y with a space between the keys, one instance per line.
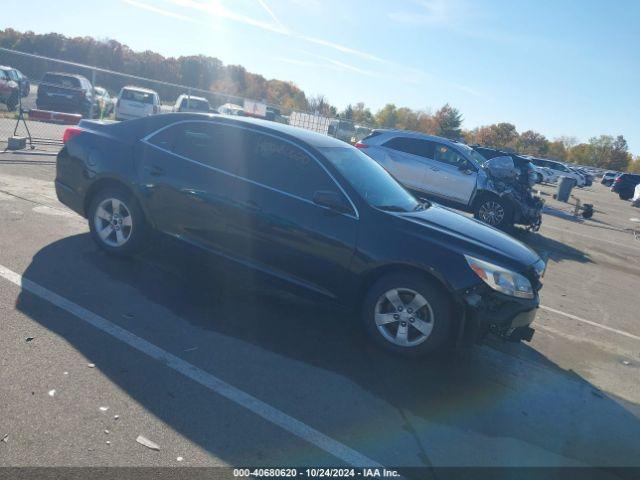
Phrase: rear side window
x=3 y=75
x=250 y=155
x=414 y=146
x=137 y=96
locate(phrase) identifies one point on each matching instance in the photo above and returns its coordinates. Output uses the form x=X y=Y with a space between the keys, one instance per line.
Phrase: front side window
x=283 y=166
x=448 y=155
x=414 y=146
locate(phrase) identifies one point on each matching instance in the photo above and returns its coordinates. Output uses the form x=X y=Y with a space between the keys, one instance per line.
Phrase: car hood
x=471 y=236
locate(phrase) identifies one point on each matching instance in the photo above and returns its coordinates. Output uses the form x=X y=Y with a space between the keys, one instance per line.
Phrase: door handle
x=155 y=170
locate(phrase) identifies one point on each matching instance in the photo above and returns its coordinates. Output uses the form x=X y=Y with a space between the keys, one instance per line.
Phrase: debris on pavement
x=179 y=459
x=116 y=417
x=106 y=432
x=65 y=373
x=147 y=443
x=108 y=442
x=91 y=365
x=626 y=362
x=28 y=339
x=5 y=438
x=104 y=409
x=52 y=392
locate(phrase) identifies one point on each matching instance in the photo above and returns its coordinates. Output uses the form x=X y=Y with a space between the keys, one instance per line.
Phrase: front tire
x=494 y=211
x=116 y=222
x=407 y=314
x=12 y=102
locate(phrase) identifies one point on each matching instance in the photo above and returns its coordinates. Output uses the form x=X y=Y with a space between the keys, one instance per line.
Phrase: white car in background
x=545 y=175
x=136 y=102
x=560 y=169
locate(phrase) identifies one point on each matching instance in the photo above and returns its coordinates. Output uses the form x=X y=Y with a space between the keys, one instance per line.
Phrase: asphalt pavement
x=219 y=367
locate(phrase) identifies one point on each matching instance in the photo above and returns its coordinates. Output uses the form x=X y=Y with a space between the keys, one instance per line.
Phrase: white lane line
x=589 y=322
x=198 y=375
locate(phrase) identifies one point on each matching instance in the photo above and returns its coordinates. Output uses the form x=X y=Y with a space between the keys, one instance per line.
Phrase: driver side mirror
x=331 y=200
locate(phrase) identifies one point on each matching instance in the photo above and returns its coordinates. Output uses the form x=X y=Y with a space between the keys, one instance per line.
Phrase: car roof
x=65 y=74
x=313 y=139
x=414 y=134
x=139 y=89
x=193 y=97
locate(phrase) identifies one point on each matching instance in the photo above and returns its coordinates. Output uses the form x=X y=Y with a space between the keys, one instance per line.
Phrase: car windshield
x=195 y=104
x=477 y=157
x=137 y=96
x=374 y=184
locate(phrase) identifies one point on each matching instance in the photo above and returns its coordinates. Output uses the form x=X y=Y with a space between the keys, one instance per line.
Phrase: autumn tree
x=387 y=116
x=532 y=143
x=449 y=121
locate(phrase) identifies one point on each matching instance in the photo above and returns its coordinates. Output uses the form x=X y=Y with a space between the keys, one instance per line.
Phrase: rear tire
x=407 y=314
x=625 y=196
x=117 y=222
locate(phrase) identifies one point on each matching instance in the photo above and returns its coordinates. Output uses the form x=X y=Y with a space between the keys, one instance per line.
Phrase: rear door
x=5 y=89
x=410 y=161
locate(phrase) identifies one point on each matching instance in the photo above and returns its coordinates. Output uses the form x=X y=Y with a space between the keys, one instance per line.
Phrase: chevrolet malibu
x=305 y=210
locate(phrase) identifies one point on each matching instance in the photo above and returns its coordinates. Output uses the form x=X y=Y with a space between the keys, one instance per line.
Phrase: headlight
x=501 y=279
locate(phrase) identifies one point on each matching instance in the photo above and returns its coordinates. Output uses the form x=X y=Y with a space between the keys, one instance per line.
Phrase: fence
x=42 y=122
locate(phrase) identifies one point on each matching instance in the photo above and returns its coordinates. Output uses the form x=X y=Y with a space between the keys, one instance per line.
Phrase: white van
x=136 y=102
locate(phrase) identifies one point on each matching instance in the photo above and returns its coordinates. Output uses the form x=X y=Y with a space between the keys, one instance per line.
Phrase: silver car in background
x=497 y=191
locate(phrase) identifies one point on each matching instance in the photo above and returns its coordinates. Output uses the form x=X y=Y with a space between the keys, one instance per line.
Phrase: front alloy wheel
x=492 y=213
x=404 y=317
x=408 y=313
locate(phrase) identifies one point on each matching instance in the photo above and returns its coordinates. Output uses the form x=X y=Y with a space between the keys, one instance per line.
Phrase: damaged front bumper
x=489 y=312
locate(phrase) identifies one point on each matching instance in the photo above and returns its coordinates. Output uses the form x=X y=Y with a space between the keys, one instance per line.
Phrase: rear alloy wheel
x=407 y=314
x=493 y=211
x=116 y=221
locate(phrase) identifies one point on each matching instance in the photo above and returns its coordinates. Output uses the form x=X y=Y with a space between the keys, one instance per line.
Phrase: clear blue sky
x=559 y=67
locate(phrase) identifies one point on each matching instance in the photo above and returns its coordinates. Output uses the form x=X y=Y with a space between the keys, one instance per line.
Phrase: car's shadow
x=551 y=249
x=481 y=391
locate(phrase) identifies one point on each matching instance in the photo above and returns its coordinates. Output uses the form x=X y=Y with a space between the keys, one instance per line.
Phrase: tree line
x=210 y=74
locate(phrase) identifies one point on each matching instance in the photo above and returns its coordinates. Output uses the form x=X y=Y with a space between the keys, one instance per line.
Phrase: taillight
x=71 y=132
x=618 y=180
x=361 y=145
